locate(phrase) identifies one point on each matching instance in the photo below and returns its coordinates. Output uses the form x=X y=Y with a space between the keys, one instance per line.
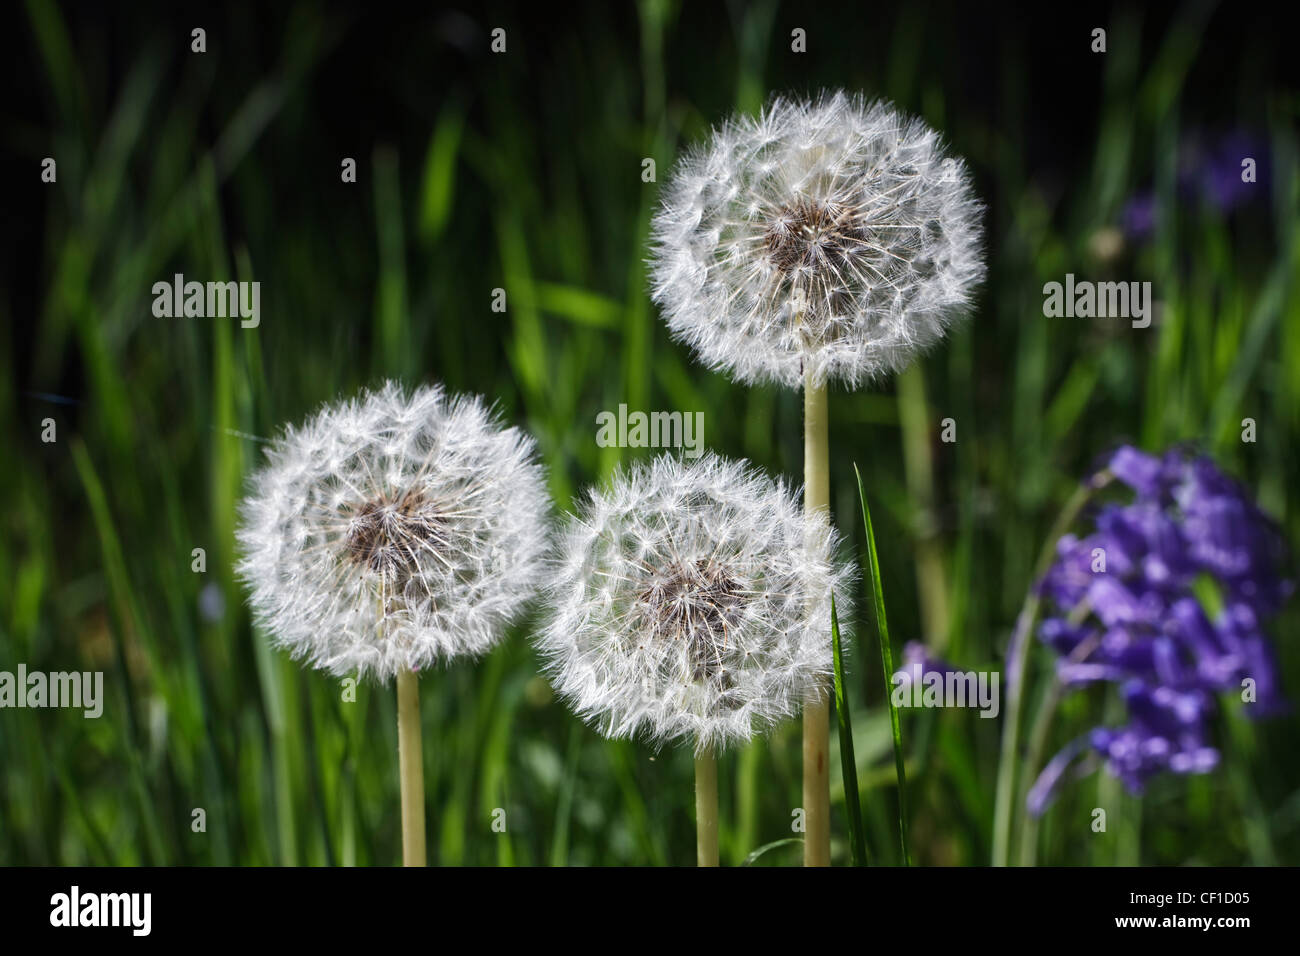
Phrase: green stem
x=706 y=809
x=816 y=714
x=1041 y=723
x=410 y=767
x=1017 y=662
x=918 y=469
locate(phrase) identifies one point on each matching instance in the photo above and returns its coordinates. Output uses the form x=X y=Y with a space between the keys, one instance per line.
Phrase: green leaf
x=749 y=860
x=578 y=305
x=887 y=663
x=438 y=191
x=852 y=805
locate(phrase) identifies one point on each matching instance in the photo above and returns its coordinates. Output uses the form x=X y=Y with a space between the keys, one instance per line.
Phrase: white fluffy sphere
x=391 y=532
x=692 y=600
x=832 y=236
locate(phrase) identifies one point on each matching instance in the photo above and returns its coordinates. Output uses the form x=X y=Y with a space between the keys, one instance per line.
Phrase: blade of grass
x=852 y=805
x=749 y=860
x=887 y=663
x=392 y=328
x=438 y=191
x=564 y=802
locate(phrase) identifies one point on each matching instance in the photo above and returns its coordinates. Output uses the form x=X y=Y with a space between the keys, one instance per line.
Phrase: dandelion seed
x=390 y=533
x=691 y=601
x=833 y=238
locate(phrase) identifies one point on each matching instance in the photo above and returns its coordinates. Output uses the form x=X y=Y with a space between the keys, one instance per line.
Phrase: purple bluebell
x=1166 y=598
x=916 y=663
x=1138 y=216
x=1211 y=169
x=1208 y=174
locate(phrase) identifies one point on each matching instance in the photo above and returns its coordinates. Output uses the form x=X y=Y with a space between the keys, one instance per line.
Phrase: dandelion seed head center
x=386 y=535
x=697 y=602
x=808 y=233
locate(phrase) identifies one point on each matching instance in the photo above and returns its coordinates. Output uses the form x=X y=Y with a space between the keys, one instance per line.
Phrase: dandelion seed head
x=692 y=600
x=832 y=236
x=393 y=531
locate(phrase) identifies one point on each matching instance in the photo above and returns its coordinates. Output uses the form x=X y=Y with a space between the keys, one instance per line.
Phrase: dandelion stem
x=816 y=713
x=411 y=767
x=706 y=809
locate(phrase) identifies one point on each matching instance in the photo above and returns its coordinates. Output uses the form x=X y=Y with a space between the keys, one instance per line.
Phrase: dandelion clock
x=831 y=240
x=687 y=603
x=392 y=533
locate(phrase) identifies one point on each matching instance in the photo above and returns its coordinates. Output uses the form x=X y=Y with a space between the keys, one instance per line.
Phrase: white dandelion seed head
x=394 y=531
x=832 y=236
x=692 y=600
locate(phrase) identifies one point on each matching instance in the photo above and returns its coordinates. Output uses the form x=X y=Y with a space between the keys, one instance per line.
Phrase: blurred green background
x=522 y=171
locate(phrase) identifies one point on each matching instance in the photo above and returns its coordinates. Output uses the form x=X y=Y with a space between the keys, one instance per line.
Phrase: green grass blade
x=438 y=192
x=750 y=860
x=887 y=663
x=852 y=805
x=564 y=801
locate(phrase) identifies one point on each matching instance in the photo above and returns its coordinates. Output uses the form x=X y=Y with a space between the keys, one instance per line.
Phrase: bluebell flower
x=1166 y=598
x=917 y=663
x=1138 y=217
x=1211 y=169
x=1209 y=174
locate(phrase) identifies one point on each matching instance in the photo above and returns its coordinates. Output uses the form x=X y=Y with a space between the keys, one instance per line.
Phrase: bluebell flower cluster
x=1209 y=173
x=1167 y=598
